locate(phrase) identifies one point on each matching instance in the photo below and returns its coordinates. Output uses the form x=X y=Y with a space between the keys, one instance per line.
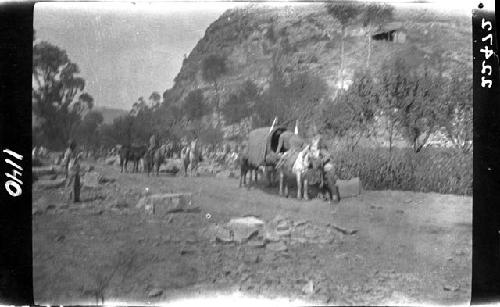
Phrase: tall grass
x=446 y=171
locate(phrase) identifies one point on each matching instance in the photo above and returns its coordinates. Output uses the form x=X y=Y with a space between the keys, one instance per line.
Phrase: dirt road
x=409 y=248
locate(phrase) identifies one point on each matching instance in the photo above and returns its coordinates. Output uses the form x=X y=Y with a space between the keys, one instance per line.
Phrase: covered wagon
x=262 y=146
x=265 y=143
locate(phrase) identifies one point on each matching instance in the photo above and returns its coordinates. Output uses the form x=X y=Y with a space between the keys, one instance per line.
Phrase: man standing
x=71 y=164
x=153 y=143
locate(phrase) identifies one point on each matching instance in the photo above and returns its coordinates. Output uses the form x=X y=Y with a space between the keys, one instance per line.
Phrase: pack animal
x=131 y=153
x=245 y=168
x=190 y=156
x=301 y=165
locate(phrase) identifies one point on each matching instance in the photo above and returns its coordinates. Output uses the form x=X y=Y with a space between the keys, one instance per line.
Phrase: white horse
x=309 y=157
x=301 y=163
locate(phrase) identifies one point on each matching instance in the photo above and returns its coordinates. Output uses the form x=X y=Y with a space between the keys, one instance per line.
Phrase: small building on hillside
x=392 y=32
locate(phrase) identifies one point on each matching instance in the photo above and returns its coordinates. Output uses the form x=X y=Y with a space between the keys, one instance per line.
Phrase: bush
x=446 y=171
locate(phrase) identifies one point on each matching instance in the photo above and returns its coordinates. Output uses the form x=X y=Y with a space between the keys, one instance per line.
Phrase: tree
x=58 y=98
x=240 y=105
x=411 y=97
x=213 y=67
x=374 y=15
x=456 y=111
x=351 y=115
x=88 y=128
x=344 y=13
x=193 y=107
x=119 y=132
x=155 y=99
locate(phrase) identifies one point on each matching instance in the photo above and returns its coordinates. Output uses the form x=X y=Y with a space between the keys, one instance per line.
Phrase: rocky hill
x=308 y=39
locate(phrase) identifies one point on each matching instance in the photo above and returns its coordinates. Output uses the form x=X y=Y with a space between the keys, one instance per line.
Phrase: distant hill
x=109 y=114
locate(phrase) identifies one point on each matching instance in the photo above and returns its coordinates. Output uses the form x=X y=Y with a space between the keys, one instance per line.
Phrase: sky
x=128 y=50
x=125 y=51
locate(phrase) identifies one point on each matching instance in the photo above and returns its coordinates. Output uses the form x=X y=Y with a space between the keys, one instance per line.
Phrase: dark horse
x=131 y=153
x=153 y=159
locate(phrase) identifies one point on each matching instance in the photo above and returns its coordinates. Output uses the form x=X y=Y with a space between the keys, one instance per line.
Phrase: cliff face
x=306 y=38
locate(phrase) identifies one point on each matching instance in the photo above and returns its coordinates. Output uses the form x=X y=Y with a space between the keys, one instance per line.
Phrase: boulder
x=161 y=204
x=169 y=168
x=40 y=171
x=270 y=234
x=155 y=292
x=218 y=233
x=245 y=228
x=91 y=179
x=277 y=246
x=308 y=288
x=48 y=177
x=349 y=188
x=112 y=160
x=50 y=184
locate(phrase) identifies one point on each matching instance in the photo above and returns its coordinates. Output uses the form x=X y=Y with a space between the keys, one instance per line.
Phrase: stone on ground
x=169 y=168
x=308 y=288
x=245 y=228
x=43 y=170
x=161 y=204
x=217 y=232
x=91 y=179
x=277 y=246
x=50 y=184
x=155 y=292
x=112 y=160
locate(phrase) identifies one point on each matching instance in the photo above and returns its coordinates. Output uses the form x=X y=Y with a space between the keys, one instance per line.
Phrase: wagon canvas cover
x=261 y=145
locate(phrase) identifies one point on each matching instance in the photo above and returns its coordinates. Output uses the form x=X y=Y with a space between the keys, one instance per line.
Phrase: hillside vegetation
x=290 y=57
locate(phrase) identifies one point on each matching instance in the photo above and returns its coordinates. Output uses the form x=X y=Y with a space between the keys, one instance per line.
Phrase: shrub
x=446 y=171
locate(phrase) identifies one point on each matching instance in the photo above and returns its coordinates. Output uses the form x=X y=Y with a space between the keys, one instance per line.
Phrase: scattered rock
x=277 y=246
x=270 y=234
x=86 y=168
x=251 y=259
x=97 y=212
x=39 y=171
x=91 y=179
x=245 y=228
x=155 y=292
x=105 y=180
x=48 y=177
x=50 y=184
x=185 y=251
x=308 y=288
x=172 y=168
x=161 y=204
x=217 y=233
x=400 y=211
x=300 y=223
x=256 y=243
x=452 y=288
x=119 y=204
x=112 y=160
x=343 y=230
x=37 y=211
x=60 y=238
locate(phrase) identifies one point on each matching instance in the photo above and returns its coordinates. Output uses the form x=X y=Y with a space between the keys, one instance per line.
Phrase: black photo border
x=16 y=268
